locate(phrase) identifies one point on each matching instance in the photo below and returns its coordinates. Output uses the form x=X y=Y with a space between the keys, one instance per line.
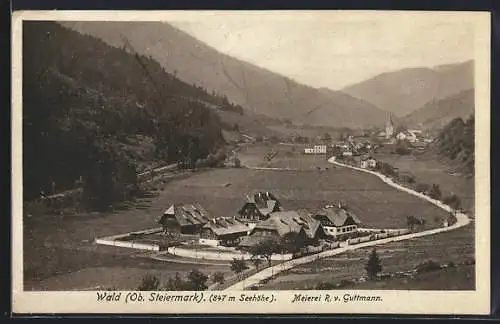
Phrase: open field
x=455 y=246
x=428 y=169
x=56 y=245
x=125 y=275
x=460 y=278
x=289 y=156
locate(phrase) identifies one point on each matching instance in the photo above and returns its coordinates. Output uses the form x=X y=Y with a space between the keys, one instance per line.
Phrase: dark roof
x=265 y=202
x=260 y=198
x=338 y=216
x=284 y=222
x=187 y=214
x=226 y=225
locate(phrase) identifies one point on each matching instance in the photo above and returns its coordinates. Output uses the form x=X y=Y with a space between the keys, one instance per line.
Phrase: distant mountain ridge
x=256 y=89
x=438 y=113
x=404 y=91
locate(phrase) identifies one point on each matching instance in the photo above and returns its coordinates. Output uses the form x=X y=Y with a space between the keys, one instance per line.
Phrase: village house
x=337 y=221
x=307 y=229
x=258 y=207
x=407 y=136
x=225 y=231
x=347 y=153
x=317 y=149
x=186 y=219
x=368 y=163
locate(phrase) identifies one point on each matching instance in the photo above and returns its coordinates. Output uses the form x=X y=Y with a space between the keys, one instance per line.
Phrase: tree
x=149 y=283
x=176 y=283
x=453 y=201
x=256 y=262
x=402 y=148
x=327 y=138
x=292 y=242
x=197 y=280
x=435 y=192
x=410 y=222
x=237 y=163
x=373 y=266
x=422 y=187
x=218 y=277
x=238 y=266
x=274 y=139
x=266 y=249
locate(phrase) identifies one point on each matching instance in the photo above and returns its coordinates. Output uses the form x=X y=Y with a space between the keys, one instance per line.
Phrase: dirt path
x=462 y=220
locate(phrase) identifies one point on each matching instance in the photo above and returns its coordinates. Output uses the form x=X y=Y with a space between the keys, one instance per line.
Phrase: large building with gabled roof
x=225 y=231
x=258 y=207
x=337 y=221
x=184 y=218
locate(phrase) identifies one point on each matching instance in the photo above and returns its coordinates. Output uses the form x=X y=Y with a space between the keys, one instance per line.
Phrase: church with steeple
x=389 y=127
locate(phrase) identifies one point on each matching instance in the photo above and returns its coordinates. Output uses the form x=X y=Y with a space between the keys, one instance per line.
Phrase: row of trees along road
x=196 y=280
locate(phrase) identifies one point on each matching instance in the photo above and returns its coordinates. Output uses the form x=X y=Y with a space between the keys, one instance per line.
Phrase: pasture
x=455 y=246
x=429 y=169
x=55 y=245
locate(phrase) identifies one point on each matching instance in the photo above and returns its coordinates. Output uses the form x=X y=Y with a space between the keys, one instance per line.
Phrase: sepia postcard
x=277 y=162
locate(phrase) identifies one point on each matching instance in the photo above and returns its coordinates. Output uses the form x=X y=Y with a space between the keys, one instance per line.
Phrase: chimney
x=340 y=204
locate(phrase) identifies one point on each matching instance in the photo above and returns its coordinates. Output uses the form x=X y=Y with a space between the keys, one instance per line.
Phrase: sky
x=335 y=49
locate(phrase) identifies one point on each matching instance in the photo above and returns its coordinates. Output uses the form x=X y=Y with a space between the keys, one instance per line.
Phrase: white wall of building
x=209 y=242
x=334 y=231
x=317 y=149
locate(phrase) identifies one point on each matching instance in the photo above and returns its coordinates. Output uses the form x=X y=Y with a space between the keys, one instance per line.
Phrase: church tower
x=389 y=127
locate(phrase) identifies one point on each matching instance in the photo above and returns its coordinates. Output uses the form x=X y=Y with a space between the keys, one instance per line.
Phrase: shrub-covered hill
x=456 y=142
x=95 y=112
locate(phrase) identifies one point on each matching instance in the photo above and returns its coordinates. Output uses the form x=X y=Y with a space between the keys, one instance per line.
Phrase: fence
x=120 y=240
x=377 y=236
x=219 y=255
x=128 y=244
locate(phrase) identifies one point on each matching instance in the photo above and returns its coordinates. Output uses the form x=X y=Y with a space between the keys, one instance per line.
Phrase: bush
x=197 y=280
x=218 y=277
x=149 y=283
x=402 y=150
x=435 y=192
x=422 y=187
x=324 y=286
x=428 y=266
x=453 y=201
x=238 y=266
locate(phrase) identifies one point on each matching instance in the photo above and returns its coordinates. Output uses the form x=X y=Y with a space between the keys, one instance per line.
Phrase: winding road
x=462 y=220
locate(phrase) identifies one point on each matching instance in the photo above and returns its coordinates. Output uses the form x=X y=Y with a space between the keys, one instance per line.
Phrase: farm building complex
x=260 y=218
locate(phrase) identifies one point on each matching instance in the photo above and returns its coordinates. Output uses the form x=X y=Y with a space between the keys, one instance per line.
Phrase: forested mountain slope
x=95 y=112
x=456 y=143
